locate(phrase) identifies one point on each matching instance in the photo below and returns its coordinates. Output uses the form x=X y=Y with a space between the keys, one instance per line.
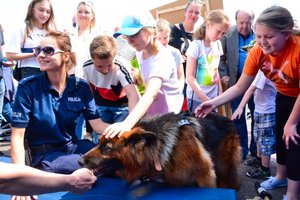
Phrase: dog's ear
x=142 y=138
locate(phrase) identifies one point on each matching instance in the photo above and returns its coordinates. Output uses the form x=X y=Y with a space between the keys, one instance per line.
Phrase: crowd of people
x=77 y=82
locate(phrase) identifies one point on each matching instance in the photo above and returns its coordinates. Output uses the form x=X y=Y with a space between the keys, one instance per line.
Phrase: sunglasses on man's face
x=47 y=51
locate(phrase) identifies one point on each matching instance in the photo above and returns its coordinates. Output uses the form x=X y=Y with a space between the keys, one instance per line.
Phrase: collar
x=72 y=83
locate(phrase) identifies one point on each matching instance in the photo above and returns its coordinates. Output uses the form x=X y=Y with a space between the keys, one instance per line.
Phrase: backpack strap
x=184 y=36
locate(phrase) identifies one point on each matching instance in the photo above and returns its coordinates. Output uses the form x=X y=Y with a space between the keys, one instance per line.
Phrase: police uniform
x=50 y=120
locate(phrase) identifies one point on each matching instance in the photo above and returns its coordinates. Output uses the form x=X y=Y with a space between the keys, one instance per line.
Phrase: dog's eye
x=107 y=147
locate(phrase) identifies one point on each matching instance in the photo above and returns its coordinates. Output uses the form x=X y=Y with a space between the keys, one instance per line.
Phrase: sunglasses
x=48 y=51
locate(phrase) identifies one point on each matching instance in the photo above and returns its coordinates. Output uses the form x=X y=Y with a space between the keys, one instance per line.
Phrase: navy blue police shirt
x=48 y=117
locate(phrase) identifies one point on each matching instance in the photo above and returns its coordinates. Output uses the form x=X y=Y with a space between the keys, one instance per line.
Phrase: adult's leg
x=253 y=146
x=241 y=127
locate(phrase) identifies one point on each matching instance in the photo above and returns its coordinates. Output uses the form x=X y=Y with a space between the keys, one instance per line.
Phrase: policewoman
x=47 y=108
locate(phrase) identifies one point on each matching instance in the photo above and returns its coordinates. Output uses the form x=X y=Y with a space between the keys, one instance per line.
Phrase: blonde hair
x=214 y=17
x=196 y=2
x=163 y=25
x=155 y=43
x=29 y=19
x=91 y=5
x=103 y=47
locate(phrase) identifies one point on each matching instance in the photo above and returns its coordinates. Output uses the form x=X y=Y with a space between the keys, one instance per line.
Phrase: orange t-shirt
x=282 y=69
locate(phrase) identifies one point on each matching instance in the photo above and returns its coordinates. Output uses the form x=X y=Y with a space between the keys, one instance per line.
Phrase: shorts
x=265 y=132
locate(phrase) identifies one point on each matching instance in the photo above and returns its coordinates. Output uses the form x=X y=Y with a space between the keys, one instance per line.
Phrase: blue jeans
x=111 y=115
x=7 y=110
x=65 y=159
x=241 y=126
x=192 y=105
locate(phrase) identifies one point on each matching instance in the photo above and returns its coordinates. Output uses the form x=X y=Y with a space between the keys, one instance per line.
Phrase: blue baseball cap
x=133 y=23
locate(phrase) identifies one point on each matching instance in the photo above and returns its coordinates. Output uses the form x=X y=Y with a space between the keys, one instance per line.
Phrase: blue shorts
x=265 y=132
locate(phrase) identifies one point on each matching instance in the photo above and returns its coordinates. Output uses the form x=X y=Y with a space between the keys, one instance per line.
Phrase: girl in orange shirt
x=277 y=54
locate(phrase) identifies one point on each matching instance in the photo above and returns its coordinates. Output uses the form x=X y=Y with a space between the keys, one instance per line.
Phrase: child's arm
x=153 y=86
x=239 y=111
x=180 y=74
x=133 y=96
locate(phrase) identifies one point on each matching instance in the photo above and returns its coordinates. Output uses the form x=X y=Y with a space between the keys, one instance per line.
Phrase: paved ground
x=248 y=191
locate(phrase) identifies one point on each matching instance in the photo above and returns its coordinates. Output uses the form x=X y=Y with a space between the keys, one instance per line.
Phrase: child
x=264 y=122
x=163 y=93
x=278 y=58
x=203 y=57
x=110 y=81
x=39 y=21
x=164 y=30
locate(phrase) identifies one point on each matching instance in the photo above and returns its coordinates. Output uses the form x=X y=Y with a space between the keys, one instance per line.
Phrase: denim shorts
x=265 y=132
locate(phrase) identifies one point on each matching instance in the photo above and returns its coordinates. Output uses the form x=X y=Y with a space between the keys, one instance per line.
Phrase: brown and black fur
x=192 y=151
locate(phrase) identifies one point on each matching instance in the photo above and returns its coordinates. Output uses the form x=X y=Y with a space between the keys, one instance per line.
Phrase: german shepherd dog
x=180 y=149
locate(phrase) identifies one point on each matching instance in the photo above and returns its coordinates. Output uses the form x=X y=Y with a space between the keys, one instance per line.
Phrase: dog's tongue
x=157 y=163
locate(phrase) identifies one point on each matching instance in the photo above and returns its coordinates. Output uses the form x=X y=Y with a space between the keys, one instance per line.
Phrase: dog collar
x=183 y=122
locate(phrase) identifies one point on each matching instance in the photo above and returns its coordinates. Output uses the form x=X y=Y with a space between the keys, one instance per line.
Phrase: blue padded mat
x=114 y=188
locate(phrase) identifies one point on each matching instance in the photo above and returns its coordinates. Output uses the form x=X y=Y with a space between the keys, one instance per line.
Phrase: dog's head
x=129 y=157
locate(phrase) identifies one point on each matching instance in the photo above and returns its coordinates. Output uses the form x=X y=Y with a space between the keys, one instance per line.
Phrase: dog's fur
x=191 y=151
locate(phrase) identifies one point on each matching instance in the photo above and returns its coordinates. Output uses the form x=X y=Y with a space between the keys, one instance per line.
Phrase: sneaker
x=254 y=162
x=284 y=197
x=272 y=183
x=259 y=174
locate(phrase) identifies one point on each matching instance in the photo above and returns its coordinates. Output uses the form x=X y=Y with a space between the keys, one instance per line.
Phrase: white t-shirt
x=162 y=65
x=108 y=89
x=265 y=94
x=16 y=42
x=208 y=59
x=176 y=54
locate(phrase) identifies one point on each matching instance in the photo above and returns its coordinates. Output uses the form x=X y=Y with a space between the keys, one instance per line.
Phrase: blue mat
x=114 y=188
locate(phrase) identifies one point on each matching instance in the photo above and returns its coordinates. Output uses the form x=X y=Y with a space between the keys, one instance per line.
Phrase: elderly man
x=231 y=67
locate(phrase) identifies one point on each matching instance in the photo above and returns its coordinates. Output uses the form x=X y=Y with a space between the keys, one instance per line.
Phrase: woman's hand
x=290 y=133
x=81 y=180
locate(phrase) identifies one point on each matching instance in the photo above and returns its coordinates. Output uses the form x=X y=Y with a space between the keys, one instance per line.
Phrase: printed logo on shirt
x=74 y=99
x=17 y=114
